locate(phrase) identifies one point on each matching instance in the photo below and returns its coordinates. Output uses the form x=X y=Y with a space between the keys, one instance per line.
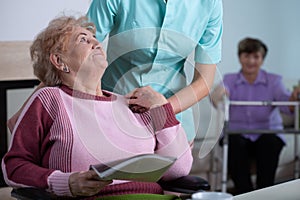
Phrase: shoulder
x=271 y=77
x=231 y=80
x=207 y=5
x=231 y=77
x=40 y=100
x=106 y=4
x=217 y=3
x=50 y=97
x=213 y=4
x=48 y=92
x=47 y=89
x=209 y=2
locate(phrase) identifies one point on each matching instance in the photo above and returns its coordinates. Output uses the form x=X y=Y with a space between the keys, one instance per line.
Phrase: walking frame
x=227 y=132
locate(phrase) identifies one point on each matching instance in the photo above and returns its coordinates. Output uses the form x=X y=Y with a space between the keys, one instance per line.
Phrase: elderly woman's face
x=251 y=62
x=85 y=53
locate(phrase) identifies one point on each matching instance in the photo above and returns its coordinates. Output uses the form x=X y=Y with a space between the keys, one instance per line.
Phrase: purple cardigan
x=267 y=87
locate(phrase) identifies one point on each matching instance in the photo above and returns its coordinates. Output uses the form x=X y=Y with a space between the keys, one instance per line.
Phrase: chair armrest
x=34 y=194
x=187 y=184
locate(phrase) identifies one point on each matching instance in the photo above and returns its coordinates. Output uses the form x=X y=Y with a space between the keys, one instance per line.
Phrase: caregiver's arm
x=199 y=88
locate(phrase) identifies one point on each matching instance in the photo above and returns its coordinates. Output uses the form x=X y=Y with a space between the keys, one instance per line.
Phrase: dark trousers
x=264 y=152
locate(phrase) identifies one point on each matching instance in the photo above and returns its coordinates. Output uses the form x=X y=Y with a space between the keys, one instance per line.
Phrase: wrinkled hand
x=145 y=98
x=86 y=183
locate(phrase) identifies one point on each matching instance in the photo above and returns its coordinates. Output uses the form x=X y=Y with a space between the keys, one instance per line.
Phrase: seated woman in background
x=252 y=83
x=71 y=124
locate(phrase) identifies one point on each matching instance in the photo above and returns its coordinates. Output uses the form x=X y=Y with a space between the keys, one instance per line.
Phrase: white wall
x=276 y=22
x=22 y=20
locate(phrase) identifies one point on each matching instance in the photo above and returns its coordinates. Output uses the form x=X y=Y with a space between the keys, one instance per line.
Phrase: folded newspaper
x=145 y=167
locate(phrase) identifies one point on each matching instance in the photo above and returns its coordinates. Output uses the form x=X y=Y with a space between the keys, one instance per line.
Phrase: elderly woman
x=71 y=124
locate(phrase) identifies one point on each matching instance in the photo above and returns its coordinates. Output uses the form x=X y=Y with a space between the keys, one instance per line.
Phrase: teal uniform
x=149 y=41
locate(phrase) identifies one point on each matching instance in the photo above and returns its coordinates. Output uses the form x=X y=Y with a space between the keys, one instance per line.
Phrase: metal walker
x=226 y=132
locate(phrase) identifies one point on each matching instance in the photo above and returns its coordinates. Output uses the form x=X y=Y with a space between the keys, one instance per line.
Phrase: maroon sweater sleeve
x=26 y=162
x=163 y=117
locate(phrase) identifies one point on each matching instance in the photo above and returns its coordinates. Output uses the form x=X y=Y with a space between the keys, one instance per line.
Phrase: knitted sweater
x=61 y=131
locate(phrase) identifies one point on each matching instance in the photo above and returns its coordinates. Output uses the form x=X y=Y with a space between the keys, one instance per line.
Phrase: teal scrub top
x=149 y=41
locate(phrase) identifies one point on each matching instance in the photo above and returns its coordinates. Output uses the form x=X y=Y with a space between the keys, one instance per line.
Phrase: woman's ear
x=56 y=60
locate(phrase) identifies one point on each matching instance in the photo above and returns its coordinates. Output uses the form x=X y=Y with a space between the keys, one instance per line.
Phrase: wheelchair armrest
x=187 y=184
x=34 y=194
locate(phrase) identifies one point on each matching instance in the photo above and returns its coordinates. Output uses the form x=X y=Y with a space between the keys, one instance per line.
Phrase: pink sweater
x=61 y=131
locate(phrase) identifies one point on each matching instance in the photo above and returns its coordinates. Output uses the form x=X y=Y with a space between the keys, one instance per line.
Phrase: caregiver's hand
x=145 y=98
